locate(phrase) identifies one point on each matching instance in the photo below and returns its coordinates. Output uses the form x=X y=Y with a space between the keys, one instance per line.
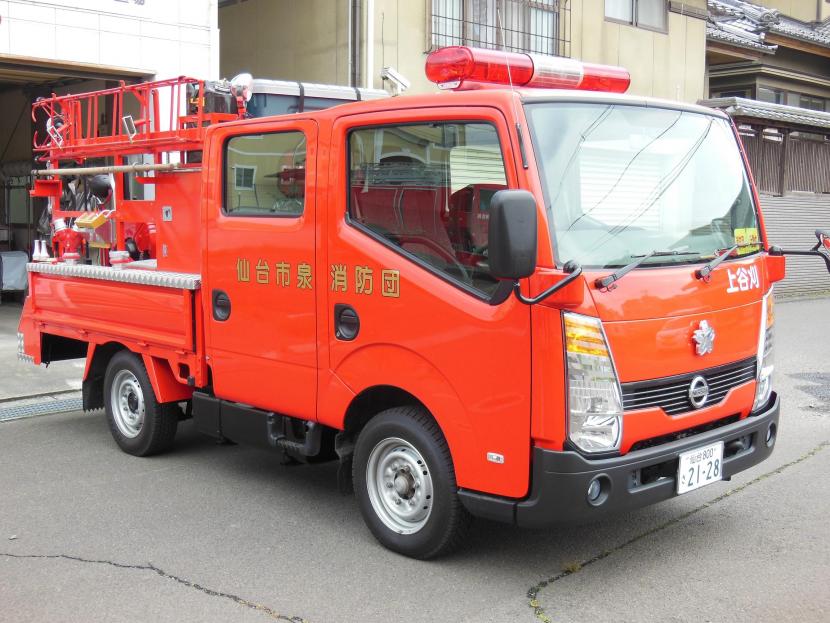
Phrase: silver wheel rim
x=127 y=401
x=400 y=485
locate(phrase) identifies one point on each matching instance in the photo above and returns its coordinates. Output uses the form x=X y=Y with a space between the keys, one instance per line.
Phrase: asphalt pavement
x=225 y=533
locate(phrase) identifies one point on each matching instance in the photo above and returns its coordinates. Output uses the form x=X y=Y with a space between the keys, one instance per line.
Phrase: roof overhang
x=755 y=70
x=798 y=44
x=777 y=115
x=732 y=52
x=29 y=71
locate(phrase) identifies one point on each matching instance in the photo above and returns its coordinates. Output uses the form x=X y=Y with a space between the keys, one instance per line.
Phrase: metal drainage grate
x=42 y=407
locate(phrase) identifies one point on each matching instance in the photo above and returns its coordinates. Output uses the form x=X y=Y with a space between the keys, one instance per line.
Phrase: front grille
x=671 y=393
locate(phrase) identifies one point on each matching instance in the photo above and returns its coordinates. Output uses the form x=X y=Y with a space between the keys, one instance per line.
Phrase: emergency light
x=462 y=67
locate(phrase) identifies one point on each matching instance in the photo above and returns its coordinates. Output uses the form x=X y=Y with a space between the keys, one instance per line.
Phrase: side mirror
x=822 y=248
x=511 y=240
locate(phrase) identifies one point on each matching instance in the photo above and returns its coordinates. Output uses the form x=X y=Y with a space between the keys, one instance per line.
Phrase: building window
x=799 y=100
x=812 y=103
x=773 y=96
x=642 y=13
x=265 y=174
x=425 y=189
x=244 y=177
x=513 y=25
x=732 y=93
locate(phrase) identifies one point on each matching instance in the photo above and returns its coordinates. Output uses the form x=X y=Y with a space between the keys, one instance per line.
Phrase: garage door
x=791 y=222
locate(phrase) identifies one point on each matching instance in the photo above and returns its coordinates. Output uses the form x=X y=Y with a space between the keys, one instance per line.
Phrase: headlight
x=594 y=397
x=763 y=387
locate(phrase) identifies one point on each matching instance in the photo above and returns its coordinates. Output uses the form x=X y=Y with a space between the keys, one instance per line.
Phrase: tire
x=140 y=425
x=405 y=484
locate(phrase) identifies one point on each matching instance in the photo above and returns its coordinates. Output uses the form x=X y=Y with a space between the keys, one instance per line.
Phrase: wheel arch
x=373 y=400
x=405 y=377
x=165 y=385
x=98 y=357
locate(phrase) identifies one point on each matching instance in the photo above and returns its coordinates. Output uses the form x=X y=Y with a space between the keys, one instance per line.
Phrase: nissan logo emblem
x=698 y=392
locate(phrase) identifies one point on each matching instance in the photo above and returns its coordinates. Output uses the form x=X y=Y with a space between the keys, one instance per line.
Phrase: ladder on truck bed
x=141 y=133
x=136 y=123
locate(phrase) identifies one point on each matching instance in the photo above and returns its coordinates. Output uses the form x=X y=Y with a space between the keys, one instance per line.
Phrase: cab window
x=425 y=189
x=265 y=174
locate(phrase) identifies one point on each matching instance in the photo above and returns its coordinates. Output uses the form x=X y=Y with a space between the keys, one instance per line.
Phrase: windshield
x=623 y=181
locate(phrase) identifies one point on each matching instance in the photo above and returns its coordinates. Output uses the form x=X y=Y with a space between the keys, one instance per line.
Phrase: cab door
x=261 y=279
x=410 y=300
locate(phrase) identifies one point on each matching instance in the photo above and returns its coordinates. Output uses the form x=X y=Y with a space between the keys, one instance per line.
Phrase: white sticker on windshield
x=743 y=279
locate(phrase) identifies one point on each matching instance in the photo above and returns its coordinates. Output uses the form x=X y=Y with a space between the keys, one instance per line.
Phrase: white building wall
x=164 y=38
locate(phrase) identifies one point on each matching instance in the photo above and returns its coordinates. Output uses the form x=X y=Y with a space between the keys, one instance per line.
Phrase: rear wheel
x=140 y=425
x=405 y=484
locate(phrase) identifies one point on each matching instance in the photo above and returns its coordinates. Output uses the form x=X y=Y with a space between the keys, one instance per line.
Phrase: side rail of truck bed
x=74 y=311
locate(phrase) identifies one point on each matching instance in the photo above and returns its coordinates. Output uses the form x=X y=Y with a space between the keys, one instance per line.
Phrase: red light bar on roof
x=461 y=67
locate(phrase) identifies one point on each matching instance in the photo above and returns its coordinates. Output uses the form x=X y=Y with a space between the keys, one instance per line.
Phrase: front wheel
x=405 y=484
x=140 y=425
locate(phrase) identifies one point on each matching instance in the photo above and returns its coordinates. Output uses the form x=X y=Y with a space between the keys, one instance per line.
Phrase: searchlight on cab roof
x=462 y=68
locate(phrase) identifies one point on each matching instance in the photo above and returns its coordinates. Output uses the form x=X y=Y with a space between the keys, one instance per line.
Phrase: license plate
x=699 y=467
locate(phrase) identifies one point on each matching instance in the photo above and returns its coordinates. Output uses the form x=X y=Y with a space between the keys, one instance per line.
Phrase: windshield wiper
x=704 y=271
x=605 y=282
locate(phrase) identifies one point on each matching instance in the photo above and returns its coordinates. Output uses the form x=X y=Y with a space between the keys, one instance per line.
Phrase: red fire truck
x=530 y=298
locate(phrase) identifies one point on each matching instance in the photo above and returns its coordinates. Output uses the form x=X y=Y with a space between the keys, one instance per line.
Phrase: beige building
x=662 y=43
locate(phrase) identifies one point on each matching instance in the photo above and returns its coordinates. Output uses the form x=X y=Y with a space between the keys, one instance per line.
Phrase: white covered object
x=13 y=270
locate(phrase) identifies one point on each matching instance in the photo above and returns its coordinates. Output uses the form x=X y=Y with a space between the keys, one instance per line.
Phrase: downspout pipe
x=349 y=42
x=355 y=63
x=370 y=44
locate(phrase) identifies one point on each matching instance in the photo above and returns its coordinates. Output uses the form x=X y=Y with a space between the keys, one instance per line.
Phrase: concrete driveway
x=225 y=533
x=26 y=380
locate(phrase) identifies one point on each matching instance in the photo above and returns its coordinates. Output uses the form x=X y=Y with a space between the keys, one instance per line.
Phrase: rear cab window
x=425 y=190
x=265 y=174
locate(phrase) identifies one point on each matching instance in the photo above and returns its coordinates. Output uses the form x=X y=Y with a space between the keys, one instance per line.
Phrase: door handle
x=221 y=304
x=346 y=322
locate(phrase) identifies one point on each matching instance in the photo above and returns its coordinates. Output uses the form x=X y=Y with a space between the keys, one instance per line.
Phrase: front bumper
x=560 y=480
